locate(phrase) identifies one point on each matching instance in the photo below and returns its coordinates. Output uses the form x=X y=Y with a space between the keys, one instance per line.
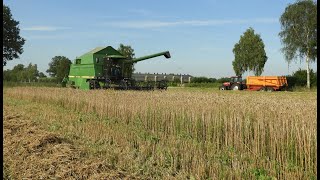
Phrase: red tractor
x=235 y=83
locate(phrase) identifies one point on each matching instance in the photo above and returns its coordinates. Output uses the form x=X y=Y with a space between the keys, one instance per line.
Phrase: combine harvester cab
x=105 y=67
x=266 y=83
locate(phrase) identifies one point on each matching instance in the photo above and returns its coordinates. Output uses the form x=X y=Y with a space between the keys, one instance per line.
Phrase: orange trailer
x=266 y=83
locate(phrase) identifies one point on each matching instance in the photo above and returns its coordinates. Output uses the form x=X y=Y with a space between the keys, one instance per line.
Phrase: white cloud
x=44 y=28
x=141 y=24
x=157 y=24
x=45 y=37
x=140 y=12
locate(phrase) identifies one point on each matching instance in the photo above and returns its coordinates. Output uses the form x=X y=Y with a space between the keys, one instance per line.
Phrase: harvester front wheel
x=94 y=84
x=124 y=85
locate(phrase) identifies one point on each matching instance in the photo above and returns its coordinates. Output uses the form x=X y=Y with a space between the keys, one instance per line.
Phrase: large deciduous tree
x=12 y=41
x=59 y=67
x=299 y=33
x=249 y=54
x=32 y=72
x=18 y=72
x=128 y=52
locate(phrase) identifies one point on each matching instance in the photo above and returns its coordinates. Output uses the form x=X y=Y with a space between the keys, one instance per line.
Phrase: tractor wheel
x=235 y=87
x=270 y=89
x=222 y=88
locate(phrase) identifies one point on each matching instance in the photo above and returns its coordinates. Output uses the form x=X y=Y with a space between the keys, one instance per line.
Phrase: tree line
x=296 y=79
x=58 y=69
x=298 y=36
x=20 y=73
x=30 y=73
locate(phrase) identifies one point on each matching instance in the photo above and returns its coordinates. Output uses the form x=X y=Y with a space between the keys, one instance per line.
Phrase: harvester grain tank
x=256 y=83
x=105 y=67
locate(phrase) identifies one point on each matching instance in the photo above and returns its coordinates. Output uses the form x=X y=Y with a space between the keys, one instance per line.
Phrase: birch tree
x=299 y=33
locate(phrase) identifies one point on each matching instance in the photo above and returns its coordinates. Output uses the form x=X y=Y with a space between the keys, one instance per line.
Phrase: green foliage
x=33 y=84
x=200 y=82
x=42 y=75
x=299 y=32
x=223 y=79
x=12 y=41
x=47 y=79
x=19 y=73
x=32 y=72
x=203 y=85
x=261 y=174
x=203 y=80
x=7 y=75
x=249 y=54
x=298 y=78
x=59 y=67
x=128 y=52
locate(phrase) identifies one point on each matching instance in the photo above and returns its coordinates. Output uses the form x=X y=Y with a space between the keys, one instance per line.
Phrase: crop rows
x=200 y=134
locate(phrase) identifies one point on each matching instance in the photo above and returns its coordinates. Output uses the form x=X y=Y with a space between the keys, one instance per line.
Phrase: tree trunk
x=308 y=73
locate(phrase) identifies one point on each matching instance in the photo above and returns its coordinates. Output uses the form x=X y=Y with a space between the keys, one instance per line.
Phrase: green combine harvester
x=105 y=67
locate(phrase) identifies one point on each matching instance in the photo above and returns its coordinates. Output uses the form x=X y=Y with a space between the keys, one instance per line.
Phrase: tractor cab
x=235 y=83
x=235 y=79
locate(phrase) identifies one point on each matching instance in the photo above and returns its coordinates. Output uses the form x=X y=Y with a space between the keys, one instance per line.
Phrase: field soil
x=32 y=152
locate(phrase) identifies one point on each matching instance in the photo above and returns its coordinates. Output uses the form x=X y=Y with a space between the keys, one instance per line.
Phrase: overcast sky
x=200 y=35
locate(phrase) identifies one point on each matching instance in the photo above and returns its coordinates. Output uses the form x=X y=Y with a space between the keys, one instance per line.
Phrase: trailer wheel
x=262 y=89
x=270 y=89
x=235 y=87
